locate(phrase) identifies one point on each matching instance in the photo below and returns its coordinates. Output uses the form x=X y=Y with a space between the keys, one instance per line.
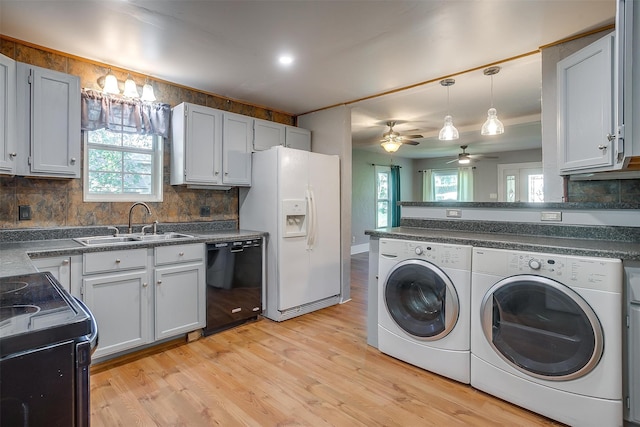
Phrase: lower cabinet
x=131 y=311
x=59 y=267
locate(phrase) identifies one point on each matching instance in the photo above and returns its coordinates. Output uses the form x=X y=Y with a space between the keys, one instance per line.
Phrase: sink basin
x=105 y=240
x=163 y=236
x=110 y=240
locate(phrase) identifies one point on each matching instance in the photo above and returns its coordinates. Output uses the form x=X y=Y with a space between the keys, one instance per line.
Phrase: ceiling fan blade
x=452 y=161
x=411 y=136
x=409 y=142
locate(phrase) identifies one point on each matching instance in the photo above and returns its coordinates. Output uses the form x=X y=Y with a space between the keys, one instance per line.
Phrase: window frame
x=387 y=171
x=157 y=179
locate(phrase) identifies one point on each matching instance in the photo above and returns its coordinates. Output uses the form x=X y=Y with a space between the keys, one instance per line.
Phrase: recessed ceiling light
x=286 y=59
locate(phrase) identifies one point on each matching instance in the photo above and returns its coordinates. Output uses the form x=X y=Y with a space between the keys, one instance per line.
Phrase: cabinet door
x=586 y=119
x=237 y=134
x=50 y=132
x=298 y=138
x=7 y=115
x=203 y=139
x=267 y=134
x=179 y=299
x=120 y=303
x=59 y=267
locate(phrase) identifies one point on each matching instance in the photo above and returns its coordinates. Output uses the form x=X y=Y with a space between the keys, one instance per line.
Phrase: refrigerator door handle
x=311 y=209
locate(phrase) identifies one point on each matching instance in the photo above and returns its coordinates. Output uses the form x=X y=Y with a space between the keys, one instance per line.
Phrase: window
x=448 y=184
x=122 y=166
x=383 y=196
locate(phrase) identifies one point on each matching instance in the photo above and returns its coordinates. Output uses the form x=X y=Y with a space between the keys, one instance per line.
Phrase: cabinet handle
x=117 y=260
x=145 y=284
x=226 y=174
x=12 y=155
x=73 y=160
x=610 y=137
x=181 y=253
x=65 y=262
x=159 y=282
x=216 y=173
x=602 y=147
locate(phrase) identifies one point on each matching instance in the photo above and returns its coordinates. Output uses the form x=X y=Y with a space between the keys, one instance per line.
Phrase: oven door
x=542 y=327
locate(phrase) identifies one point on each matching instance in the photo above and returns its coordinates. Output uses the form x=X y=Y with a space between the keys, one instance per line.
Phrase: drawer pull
x=117 y=260
x=145 y=284
x=181 y=253
x=159 y=282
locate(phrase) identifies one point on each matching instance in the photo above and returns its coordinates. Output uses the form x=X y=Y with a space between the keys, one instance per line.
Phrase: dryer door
x=421 y=299
x=542 y=327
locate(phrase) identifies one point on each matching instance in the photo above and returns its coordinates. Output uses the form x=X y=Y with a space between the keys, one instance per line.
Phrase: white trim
x=358 y=249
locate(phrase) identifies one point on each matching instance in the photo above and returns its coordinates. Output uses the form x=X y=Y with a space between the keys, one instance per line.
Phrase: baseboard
x=358 y=249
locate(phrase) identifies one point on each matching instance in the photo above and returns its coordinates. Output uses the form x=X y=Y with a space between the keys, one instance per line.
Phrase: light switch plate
x=551 y=216
x=454 y=213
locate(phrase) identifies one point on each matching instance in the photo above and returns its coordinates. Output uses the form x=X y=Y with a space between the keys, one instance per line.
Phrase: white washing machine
x=424 y=292
x=546 y=333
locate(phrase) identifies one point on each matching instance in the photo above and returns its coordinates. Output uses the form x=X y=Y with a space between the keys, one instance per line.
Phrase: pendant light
x=492 y=126
x=147 y=92
x=111 y=84
x=448 y=131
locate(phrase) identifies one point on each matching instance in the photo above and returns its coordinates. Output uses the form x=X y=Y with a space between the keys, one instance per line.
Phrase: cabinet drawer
x=98 y=262
x=179 y=253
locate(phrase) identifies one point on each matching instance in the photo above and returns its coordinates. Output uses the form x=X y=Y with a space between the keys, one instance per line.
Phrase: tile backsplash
x=58 y=202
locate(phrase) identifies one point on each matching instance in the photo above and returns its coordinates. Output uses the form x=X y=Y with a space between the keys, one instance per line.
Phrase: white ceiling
x=344 y=50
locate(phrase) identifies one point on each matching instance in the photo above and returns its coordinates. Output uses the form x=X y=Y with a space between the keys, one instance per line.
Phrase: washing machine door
x=421 y=299
x=542 y=327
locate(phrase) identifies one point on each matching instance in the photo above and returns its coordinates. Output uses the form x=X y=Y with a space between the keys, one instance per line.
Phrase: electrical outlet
x=205 y=211
x=454 y=213
x=24 y=212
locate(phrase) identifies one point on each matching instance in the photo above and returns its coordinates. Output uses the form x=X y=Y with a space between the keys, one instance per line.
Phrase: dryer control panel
x=454 y=256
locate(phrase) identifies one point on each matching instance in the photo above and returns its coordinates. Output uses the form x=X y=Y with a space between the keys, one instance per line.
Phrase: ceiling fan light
x=492 y=126
x=111 y=84
x=448 y=131
x=464 y=161
x=130 y=89
x=391 y=145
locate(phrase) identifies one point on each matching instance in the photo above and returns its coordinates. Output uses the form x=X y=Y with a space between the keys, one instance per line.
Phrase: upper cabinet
x=7 y=115
x=269 y=134
x=598 y=91
x=210 y=147
x=48 y=123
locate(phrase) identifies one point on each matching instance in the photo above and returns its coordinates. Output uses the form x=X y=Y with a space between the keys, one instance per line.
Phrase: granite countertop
x=15 y=256
x=624 y=250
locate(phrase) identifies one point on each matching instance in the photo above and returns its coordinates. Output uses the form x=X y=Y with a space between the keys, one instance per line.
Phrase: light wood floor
x=314 y=370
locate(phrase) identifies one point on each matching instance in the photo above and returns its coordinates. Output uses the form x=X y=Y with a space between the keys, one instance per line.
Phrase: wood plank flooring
x=314 y=370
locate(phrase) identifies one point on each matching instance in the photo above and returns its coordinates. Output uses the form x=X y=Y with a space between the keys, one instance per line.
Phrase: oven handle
x=93 y=338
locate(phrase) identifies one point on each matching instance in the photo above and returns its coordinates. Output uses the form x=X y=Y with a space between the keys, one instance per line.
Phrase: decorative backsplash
x=606 y=191
x=58 y=203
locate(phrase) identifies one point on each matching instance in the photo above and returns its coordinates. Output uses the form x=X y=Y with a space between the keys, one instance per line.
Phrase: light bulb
x=448 y=131
x=464 y=161
x=391 y=146
x=492 y=126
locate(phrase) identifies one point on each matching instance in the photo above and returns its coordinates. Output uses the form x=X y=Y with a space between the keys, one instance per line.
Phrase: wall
x=363 y=189
x=485 y=176
x=58 y=203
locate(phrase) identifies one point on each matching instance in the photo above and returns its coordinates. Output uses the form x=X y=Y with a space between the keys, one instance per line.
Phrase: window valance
x=103 y=111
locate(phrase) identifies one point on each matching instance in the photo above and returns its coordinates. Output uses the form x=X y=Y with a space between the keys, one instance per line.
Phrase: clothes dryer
x=424 y=297
x=546 y=333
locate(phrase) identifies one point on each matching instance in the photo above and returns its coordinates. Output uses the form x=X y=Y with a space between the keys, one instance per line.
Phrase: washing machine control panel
x=442 y=255
x=546 y=265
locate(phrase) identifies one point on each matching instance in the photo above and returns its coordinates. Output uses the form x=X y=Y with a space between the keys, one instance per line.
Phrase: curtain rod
x=391 y=165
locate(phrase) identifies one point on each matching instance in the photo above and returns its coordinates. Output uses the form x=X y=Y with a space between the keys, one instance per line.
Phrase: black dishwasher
x=234 y=283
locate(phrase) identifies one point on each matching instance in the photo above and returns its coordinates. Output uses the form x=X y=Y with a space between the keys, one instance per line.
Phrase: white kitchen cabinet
x=211 y=148
x=59 y=267
x=115 y=287
x=299 y=138
x=587 y=128
x=237 y=136
x=180 y=290
x=270 y=134
x=267 y=134
x=7 y=115
x=196 y=141
x=48 y=123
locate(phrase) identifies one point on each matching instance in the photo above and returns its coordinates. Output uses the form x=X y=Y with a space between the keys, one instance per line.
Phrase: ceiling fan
x=465 y=158
x=392 y=140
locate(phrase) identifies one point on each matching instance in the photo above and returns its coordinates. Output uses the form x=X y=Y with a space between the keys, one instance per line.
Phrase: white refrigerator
x=295 y=197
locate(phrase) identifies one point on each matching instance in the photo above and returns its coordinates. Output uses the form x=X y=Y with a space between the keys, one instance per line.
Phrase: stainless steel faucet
x=131 y=210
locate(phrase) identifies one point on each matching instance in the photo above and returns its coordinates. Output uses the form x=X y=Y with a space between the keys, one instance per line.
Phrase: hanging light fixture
x=111 y=84
x=147 y=92
x=130 y=88
x=448 y=131
x=492 y=126
x=391 y=140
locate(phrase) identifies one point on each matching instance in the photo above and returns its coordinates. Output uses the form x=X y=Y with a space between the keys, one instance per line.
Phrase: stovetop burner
x=35 y=309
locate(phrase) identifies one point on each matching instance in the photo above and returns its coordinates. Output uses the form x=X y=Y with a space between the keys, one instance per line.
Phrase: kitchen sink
x=130 y=238
x=163 y=236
